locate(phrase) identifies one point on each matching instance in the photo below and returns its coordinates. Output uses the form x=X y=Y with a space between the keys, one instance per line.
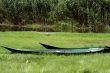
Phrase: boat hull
x=58 y=51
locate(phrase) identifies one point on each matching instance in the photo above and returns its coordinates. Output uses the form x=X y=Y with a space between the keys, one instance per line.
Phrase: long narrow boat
x=60 y=51
x=53 y=47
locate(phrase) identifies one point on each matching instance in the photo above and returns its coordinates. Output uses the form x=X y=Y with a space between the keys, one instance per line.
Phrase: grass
x=32 y=63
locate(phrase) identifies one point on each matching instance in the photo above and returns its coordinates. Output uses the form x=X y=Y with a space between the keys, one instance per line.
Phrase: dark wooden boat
x=59 y=51
x=53 y=47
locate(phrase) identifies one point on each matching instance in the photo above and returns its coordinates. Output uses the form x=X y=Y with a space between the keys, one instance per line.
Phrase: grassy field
x=32 y=63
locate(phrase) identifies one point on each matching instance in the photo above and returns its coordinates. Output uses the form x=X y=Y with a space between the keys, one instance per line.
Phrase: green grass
x=32 y=63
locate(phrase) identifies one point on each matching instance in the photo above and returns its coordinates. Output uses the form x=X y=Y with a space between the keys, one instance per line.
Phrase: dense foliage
x=90 y=15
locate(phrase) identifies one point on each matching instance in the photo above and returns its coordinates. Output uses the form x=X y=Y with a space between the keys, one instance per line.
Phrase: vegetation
x=32 y=63
x=84 y=15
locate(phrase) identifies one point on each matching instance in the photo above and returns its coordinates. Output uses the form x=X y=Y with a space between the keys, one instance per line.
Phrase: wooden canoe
x=59 y=51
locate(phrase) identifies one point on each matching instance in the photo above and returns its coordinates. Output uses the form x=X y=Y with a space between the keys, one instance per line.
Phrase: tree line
x=89 y=15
